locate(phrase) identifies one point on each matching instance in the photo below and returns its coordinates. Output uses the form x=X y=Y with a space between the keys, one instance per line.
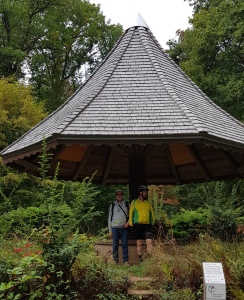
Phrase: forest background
x=47 y=49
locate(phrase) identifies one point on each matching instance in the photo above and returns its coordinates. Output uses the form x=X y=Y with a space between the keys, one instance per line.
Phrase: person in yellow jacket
x=141 y=217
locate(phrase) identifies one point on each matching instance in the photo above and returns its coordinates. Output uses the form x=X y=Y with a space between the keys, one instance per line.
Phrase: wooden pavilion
x=137 y=120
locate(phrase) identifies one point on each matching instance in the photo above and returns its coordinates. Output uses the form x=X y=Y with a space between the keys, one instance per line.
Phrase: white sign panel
x=214 y=281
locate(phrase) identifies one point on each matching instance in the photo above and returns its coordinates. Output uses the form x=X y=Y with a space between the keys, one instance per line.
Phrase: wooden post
x=137 y=174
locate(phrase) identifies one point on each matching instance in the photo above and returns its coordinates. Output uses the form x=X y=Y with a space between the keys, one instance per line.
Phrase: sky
x=163 y=17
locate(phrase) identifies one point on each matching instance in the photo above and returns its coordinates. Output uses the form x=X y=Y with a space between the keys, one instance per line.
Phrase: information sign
x=214 y=281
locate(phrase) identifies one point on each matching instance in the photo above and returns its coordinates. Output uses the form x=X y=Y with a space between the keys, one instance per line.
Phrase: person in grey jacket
x=118 y=225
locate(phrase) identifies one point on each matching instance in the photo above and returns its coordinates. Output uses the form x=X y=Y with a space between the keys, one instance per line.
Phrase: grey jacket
x=119 y=218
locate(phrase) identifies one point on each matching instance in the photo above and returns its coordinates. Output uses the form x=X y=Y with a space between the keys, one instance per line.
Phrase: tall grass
x=176 y=271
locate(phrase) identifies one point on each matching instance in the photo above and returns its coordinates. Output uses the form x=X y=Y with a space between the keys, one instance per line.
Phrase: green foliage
x=18 y=190
x=96 y=279
x=21 y=191
x=19 y=111
x=238 y=270
x=193 y=196
x=177 y=272
x=94 y=206
x=35 y=278
x=44 y=160
x=57 y=247
x=158 y=197
x=224 y=213
x=187 y=225
x=223 y=210
x=53 y=227
x=185 y=294
x=157 y=204
x=223 y=223
x=164 y=200
x=20 y=276
x=55 y=41
x=24 y=220
x=84 y=205
x=211 y=52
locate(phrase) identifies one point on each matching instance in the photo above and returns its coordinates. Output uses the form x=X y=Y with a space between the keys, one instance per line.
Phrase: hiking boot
x=126 y=263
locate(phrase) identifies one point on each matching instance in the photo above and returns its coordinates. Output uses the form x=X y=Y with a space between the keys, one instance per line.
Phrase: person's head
x=119 y=194
x=143 y=192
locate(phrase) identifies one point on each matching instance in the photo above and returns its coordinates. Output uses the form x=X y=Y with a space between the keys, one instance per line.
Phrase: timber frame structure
x=137 y=120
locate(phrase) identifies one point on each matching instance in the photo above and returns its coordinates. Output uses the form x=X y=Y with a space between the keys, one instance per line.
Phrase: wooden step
x=140 y=292
x=140 y=279
x=137 y=280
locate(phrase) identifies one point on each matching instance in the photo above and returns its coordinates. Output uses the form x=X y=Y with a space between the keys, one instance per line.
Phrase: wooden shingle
x=138 y=98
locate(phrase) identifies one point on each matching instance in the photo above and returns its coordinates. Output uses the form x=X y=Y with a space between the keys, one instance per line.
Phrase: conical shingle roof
x=138 y=97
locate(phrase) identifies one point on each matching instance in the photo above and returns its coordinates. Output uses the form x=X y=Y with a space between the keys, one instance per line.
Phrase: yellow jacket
x=141 y=212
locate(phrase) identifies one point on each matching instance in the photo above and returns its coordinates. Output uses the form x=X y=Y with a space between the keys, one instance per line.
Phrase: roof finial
x=140 y=21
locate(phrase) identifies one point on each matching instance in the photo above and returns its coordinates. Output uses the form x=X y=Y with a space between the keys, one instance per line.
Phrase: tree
x=52 y=40
x=18 y=111
x=212 y=52
x=21 y=27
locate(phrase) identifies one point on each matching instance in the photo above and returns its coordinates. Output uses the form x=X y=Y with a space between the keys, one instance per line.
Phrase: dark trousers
x=120 y=234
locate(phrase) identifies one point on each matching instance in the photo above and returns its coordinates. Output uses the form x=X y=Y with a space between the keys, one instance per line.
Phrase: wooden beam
x=199 y=162
x=173 y=168
x=124 y=149
x=116 y=148
x=59 y=150
x=120 y=180
x=81 y=164
x=162 y=180
x=142 y=149
x=137 y=173
x=151 y=180
x=148 y=149
x=27 y=165
x=56 y=154
x=137 y=149
x=108 y=165
x=228 y=157
x=241 y=170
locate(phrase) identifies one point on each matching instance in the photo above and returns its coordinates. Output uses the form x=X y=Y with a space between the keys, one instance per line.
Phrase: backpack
x=127 y=206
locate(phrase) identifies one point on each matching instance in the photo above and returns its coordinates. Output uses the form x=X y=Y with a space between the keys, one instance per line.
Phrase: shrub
x=97 y=279
x=37 y=275
x=222 y=223
x=187 y=225
x=22 y=221
x=225 y=209
x=52 y=226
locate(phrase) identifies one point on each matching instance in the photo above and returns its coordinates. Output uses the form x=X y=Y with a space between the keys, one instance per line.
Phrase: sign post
x=214 y=281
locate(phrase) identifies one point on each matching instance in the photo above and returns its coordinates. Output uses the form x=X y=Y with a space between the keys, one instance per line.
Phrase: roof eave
x=98 y=140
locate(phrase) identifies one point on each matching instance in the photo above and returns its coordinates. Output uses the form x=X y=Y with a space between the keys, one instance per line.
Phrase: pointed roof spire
x=135 y=22
x=140 y=21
